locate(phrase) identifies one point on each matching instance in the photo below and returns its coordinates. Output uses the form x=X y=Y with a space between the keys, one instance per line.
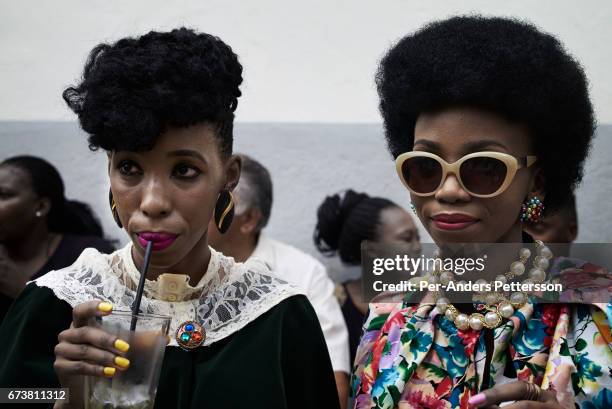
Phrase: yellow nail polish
x=122 y=345
x=122 y=362
x=105 y=307
x=109 y=371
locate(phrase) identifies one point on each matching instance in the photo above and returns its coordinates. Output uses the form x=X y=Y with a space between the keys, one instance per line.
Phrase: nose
x=451 y=190
x=155 y=201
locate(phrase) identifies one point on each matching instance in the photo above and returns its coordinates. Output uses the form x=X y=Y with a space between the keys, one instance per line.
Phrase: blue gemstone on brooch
x=189 y=327
x=185 y=337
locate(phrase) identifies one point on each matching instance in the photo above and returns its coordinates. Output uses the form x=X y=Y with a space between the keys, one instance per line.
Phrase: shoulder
x=256 y=276
x=292 y=308
x=295 y=316
x=93 y=275
x=80 y=243
x=288 y=259
x=245 y=294
x=297 y=304
x=39 y=304
x=91 y=257
x=36 y=295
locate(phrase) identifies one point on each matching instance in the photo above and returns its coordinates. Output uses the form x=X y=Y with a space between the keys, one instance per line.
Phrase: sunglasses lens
x=422 y=174
x=482 y=175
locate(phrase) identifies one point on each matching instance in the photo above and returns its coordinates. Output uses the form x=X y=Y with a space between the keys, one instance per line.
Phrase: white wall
x=305 y=61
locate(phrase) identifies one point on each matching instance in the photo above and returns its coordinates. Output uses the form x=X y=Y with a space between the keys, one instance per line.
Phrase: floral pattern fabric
x=414 y=355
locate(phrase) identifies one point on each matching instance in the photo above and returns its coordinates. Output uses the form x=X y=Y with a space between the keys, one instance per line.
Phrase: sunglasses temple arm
x=527 y=161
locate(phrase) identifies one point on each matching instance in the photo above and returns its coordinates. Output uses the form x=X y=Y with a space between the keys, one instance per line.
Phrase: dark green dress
x=279 y=360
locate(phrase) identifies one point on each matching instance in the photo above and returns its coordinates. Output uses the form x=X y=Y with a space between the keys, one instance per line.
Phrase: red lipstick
x=453 y=221
x=161 y=241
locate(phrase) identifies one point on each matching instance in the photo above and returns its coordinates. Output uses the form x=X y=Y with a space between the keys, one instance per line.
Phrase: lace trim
x=158 y=288
x=233 y=295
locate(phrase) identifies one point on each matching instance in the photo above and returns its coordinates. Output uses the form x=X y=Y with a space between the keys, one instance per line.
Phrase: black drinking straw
x=139 y=290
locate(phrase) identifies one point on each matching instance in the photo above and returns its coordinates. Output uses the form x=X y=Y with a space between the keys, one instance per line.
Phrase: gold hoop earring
x=113 y=207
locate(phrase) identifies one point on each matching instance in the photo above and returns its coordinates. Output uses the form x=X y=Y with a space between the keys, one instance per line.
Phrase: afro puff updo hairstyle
x=500 y=65
x=135 y=89
x=345 y=220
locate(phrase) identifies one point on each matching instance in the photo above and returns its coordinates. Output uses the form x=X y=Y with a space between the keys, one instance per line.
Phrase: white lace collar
x=232 y=294
x=171 y=287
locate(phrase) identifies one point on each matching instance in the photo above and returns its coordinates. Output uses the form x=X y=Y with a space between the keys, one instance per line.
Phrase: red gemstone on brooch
x=190 y=335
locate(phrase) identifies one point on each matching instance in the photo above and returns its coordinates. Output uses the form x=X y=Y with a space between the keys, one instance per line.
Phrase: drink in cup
x=135 y=387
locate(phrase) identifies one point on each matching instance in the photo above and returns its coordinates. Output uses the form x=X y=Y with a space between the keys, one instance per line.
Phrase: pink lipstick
x=453 y=221
x=161 y=241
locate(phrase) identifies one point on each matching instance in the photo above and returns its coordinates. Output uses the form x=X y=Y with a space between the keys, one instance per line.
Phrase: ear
x=251 y=219
x=232 y=172
x=44 y=206
x=538 y=184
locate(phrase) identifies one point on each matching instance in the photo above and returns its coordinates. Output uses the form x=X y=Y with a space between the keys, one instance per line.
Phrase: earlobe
x=44 y=207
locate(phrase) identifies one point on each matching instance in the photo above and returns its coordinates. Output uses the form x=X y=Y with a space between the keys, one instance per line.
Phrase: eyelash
x=175 y=172
x=189 y=167
x=121 y=167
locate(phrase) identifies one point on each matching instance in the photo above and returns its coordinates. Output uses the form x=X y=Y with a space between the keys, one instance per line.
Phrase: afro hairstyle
x=501 y=65
x=135 y=89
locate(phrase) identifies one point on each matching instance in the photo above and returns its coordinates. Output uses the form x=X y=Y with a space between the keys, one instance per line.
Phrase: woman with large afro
x=489 y=122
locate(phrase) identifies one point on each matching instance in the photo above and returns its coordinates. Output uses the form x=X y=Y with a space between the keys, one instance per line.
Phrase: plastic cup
x=135 y=387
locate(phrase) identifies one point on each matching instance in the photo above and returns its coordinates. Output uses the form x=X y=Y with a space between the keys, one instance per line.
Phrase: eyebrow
x=188 y=152
x=474 y=146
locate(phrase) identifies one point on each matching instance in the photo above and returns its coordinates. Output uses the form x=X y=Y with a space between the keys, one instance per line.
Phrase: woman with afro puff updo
x=162 y=108
x=489 y=122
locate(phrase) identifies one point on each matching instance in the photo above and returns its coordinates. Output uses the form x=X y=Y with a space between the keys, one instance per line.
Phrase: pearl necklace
x=498 y=306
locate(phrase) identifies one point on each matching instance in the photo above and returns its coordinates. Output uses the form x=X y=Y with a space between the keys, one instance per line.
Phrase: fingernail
x=477 y=399
x=109 y=371
x=122 y=362
x=105 y=307
x=122 y=345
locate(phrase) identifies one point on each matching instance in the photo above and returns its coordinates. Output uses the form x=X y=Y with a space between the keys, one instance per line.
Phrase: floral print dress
x=414 y=354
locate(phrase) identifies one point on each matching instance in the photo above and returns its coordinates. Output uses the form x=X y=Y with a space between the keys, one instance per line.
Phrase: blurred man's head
x=253 y=197
x=558 y=227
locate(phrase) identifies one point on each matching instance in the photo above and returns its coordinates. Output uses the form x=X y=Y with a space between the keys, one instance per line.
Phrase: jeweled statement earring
x=413 y=208
x=532 y=209
x=224 y=211
x=113 y=207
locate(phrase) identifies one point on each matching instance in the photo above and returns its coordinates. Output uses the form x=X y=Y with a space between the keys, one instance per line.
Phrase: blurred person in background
x=40 y=230
x=244 y=240
x=343 y=222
